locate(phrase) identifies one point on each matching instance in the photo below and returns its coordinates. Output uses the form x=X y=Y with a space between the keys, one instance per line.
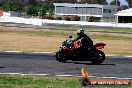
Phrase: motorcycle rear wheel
x=98 y=58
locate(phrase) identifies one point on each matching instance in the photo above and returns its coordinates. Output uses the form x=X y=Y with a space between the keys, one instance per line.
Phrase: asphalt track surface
x=40 y=63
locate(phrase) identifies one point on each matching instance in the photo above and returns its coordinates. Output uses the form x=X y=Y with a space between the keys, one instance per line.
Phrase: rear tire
x=61 y=56
x=98 y=58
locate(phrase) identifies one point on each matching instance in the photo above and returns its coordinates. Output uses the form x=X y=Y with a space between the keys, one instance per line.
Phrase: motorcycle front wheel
x=61 y=56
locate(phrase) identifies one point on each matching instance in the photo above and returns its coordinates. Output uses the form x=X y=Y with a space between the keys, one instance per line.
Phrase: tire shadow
x=86 y=63
x=2 y=67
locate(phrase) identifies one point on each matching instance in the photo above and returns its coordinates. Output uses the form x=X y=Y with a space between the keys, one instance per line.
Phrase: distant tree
x=69 y=1
x=89 y=1
x=114 y=2
x=102 y=2
x=30 y=9
x=124 y=7
x=63 y=1
x=129 y=3
x=8 y=6
x=35 y=10
x=50 y=2
x=20 y=4
x=32 y=2
x=50 y=12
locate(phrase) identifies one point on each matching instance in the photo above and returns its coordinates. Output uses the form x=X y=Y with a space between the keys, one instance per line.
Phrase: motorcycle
x=70 y=50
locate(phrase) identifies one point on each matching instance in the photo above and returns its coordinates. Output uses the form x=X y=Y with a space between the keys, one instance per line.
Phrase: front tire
x=98 y=58
x=61 y=56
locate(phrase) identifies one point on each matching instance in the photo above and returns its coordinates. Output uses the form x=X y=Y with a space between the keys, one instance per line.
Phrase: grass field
x=46 y=82
x=29 y=39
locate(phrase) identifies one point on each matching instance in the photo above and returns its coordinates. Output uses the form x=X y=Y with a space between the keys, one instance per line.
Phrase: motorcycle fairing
x=99 y=45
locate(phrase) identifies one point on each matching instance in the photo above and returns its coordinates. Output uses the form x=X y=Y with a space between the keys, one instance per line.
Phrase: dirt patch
x=28 y=43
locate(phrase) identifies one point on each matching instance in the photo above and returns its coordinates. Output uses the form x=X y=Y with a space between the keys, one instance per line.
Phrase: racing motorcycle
x=70 y=50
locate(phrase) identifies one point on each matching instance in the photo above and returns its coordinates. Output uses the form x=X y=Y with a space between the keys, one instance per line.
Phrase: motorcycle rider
x=86 y=42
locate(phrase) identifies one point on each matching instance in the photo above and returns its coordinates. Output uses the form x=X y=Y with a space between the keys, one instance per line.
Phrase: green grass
x=35 y=32
x=57 y=27
x=110 y=37
x=128 y=30
x=65 y=34
x=9 y=81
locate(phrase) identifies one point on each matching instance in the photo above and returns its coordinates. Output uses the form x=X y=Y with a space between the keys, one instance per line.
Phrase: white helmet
x=80 y=31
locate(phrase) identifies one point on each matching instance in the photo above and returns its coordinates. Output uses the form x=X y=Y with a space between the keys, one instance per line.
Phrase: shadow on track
x=88 y=63
x=2 y=67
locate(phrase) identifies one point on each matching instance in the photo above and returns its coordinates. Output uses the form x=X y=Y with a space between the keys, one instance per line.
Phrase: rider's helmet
x=70 y=36
x=80 y=32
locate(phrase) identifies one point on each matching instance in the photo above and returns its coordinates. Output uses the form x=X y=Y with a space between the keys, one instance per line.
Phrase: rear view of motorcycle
x=70 y=50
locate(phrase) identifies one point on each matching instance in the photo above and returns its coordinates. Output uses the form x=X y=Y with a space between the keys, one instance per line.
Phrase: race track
x=29 y=63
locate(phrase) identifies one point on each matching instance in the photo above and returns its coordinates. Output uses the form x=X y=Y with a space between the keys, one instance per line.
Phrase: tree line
x=40 y=7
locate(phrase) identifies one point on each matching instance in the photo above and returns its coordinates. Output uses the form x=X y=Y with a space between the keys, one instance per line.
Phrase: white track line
x=24 y=74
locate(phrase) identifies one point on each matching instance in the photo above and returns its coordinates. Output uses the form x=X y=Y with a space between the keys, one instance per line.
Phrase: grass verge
x=128 y=30
x=9 y=81
x=64 y=34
